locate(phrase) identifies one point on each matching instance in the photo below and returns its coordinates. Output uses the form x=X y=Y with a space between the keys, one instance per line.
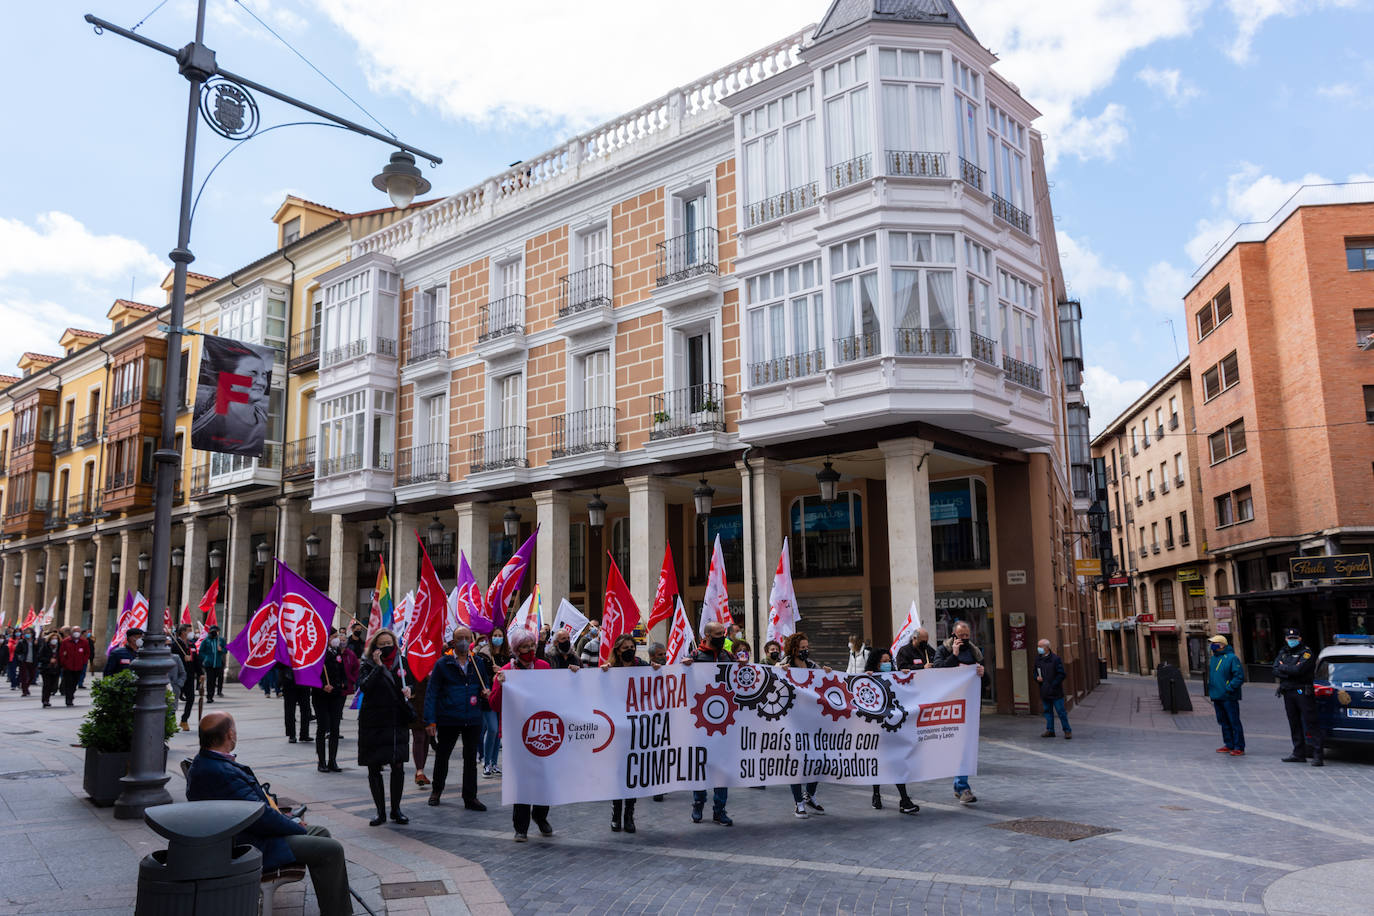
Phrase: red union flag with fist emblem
x=426 y=631
x=255 y=646
x=304 y=620
x=620 y=614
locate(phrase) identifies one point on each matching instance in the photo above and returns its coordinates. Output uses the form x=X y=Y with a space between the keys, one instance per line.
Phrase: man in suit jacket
x=215 y=774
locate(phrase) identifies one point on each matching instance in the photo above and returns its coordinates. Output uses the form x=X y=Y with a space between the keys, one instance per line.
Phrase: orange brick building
x=1281 y=320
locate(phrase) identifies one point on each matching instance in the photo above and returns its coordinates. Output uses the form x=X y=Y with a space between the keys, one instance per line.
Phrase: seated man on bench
x=283 y=840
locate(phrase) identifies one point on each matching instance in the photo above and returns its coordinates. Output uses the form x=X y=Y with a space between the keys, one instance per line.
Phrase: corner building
x=829 y=264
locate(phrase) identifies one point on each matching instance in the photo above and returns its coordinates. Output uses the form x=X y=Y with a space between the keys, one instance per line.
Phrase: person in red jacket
x=522 y=647
x=73 y=656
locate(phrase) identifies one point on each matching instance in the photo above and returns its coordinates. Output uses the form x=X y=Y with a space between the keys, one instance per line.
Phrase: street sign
x=1119 y=581
x=1188 y=575
x=1197 y=591
x=1016 y=577
x=1335 y=566
x=1089 y=567
x=1145 y=618
x=1223 y=626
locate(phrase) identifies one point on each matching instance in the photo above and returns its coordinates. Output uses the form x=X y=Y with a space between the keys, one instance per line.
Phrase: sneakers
x=696 y=812
x=720 y=817
x=908 y=806
x=1047 y=734
x=966 y=797
x=421 y=780
x=1223 y=750
x=521 y=838
x=814 y=805
x=877 y=800
x=1238 y=753
x=495 y=770
x=486 y=772
x=801 y=811
x=544 y=827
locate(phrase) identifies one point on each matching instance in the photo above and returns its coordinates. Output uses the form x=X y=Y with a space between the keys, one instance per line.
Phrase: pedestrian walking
x=1293 y=669
x=711 y=650
x=121 y=657
x=420 y=741
x=73 y=656
x=181 y=647
x=955 y=651
x=90 y=654
x=881 y=661
x=623 y=655
x=525 y=656
x=49 y=667
x=296 y=699
x=459 y=685
x=210 y=656
x=498 y=654
x=336 y=683
x=1225 y=675
x=1049 y=676
x=918 y=654
x=6 y=655
x=384 y=724
x=799 y=656
x=858 y=655
x=26 y=652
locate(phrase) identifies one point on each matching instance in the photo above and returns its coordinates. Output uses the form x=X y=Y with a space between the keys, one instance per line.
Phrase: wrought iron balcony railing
x=87 y=430
x=380 y=346
x=916 y=164
x=971 y=175
x=303 y=351
x=498 y=448
x=587 y=288
x=783 y=368
x=984 y=349
x=428 y=341
x=502 y=317
x=200 y=480
x=687 y=256
x=1004 y=210
x=79 y=509
x=927 y=342
x=62 y=439
x=861 y=346
x=423 y=464
x=843 y=174
x=1023 y=374
x=582 y=431
x=788 y=202
x=695 y=409
x=299 y=460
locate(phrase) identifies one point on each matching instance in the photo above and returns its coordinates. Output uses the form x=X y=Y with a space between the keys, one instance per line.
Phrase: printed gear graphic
x=705 y=711
x=872 y=696
x=904 y=677
x=777 y=700
x=810 y=676
x=749 y=683
x=895 y=717
x=835 y=699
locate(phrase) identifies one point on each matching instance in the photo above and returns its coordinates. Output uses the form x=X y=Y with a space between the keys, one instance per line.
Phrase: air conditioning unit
x=1278 y=580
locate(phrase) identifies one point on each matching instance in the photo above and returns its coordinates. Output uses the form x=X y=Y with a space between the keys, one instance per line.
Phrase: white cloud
x=1168 y=83
x=234 y=16
x=1109 y=395
x=1337 y=91
x=59 y=245
x=1164 y=286
x=1250 y=15
x=1251 y=196
x=1085 y=273
x=1096 y=137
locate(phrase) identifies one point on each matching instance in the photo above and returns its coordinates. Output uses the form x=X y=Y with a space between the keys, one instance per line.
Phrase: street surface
x=1190 y=830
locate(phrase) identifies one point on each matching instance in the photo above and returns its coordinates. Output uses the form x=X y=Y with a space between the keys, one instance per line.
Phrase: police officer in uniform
x=1293 y=669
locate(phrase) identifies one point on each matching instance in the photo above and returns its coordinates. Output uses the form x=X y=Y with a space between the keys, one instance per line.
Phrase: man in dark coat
x=916 y=655
x=121 y=658
x=73 y=656
x=712 y=651
x=458 y=687
x=955 y=651
x=1049 y=676
x=283 y=840
x=1293 y=669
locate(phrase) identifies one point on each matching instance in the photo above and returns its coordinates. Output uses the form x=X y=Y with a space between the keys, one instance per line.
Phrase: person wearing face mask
x=772 y=652
x=211 y=656
x=858 y=655
x=956 y=651
x=26 y=653
x=623 y=655
x=798 y=655
x=1049 y=676
x=459 y=686
x=216 y=774
x=6 y=664
x=498 y=653
x=658 y=654
x=328 y=700
x=881 y=661
x=560 y=654
x=918 y=654
x=73 y=655
x=123 y=656
x=741 y=649
x=357 y=640
x=591 y=646
x=49 y=668
x=711 y=650
x=384 y=724
x=1293 y=669
x=1225 y=675
x=524 y=656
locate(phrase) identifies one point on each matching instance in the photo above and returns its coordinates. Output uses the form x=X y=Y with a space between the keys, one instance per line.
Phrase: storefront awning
x=1279 y=594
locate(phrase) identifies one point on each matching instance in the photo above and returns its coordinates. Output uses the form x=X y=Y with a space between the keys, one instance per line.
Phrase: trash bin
x=201 y=871
x=1101 y=669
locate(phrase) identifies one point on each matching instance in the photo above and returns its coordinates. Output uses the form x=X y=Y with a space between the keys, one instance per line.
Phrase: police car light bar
x=1354 y=639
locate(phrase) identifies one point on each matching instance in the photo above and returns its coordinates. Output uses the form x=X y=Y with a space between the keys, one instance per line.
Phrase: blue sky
x=1167 y=121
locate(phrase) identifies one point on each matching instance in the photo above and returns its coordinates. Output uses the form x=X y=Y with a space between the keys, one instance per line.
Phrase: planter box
x=104 y=771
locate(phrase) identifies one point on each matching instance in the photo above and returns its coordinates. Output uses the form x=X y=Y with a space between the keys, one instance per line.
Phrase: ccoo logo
x=950 y=712
x=542 y=734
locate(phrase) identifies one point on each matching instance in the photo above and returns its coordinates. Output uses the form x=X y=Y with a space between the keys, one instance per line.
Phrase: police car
x=1344 y=686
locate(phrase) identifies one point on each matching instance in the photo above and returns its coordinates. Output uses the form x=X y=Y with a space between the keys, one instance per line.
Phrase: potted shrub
x=661 y=417
x=107 y=734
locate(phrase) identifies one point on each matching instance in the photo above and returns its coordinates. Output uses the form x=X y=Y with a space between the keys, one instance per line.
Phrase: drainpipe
x=753 y=536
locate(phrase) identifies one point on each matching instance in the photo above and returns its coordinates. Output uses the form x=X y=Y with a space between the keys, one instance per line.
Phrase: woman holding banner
x=799 y=656
x=384 y=724
x=499 y=655
x=522 y=644
x=623 y=655
x=881 y=661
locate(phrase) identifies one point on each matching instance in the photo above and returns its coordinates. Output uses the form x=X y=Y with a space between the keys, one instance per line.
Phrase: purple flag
x=471 y=608
x=509 y=580
x=121 y=625
x=256 y=645
x=304 y=622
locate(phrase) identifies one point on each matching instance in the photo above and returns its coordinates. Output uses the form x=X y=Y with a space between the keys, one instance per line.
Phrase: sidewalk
x=1132 y=701
x=61 y=854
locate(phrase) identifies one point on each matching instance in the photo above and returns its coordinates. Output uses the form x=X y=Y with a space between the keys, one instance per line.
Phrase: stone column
x=102 y=620
x=128 y=567
x=195 y=569
x=405 y=555
x=28 y=585
x=474 y=536
x=910 y=562
x=76 y=583
x=763 y=530
x=343 y=566
x=9 y=563
x=53 y=558
x=648 y=535
x=552 y=509
x=290 y=540
x=238 y=566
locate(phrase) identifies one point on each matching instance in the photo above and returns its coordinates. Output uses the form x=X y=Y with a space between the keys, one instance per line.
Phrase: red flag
x=207 y=604
x=28 y=619
x=667 y=590
x=186 y=614
x=620 y=615
x=425 y=635
x=166 y=619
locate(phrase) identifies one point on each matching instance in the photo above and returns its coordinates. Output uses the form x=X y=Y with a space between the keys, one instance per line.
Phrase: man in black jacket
x=121 y=658
x=1049 y=677
x=712 y=651
x=1293 y=669
x=955 y=651
x=456 y=697
x=918 y=654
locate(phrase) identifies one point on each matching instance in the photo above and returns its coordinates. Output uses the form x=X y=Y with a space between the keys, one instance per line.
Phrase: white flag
x=716 y=604
x=404 y=611
x=680 y=643
x=782 y=600
x=570 y=619
x=913 y=623
x=451 y=619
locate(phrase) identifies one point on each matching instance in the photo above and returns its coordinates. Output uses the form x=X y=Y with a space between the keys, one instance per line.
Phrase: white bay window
x=923 y=293
x=854 y=286
x=779 y=156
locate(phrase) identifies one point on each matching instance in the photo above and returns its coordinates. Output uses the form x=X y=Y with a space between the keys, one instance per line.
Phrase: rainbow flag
x=382 y=614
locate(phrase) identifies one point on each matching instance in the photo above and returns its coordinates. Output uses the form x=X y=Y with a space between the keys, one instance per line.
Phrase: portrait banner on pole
x=629 y=732
x=233 y=397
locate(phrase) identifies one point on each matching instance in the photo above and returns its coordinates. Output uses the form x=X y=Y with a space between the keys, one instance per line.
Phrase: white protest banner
x=627 y=732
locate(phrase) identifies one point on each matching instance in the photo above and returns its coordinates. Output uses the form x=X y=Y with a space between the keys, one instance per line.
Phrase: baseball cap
x=1219 y=640
x=1292 y=632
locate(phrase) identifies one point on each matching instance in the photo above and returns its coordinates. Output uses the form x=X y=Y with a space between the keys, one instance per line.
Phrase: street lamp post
x=233 y=114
